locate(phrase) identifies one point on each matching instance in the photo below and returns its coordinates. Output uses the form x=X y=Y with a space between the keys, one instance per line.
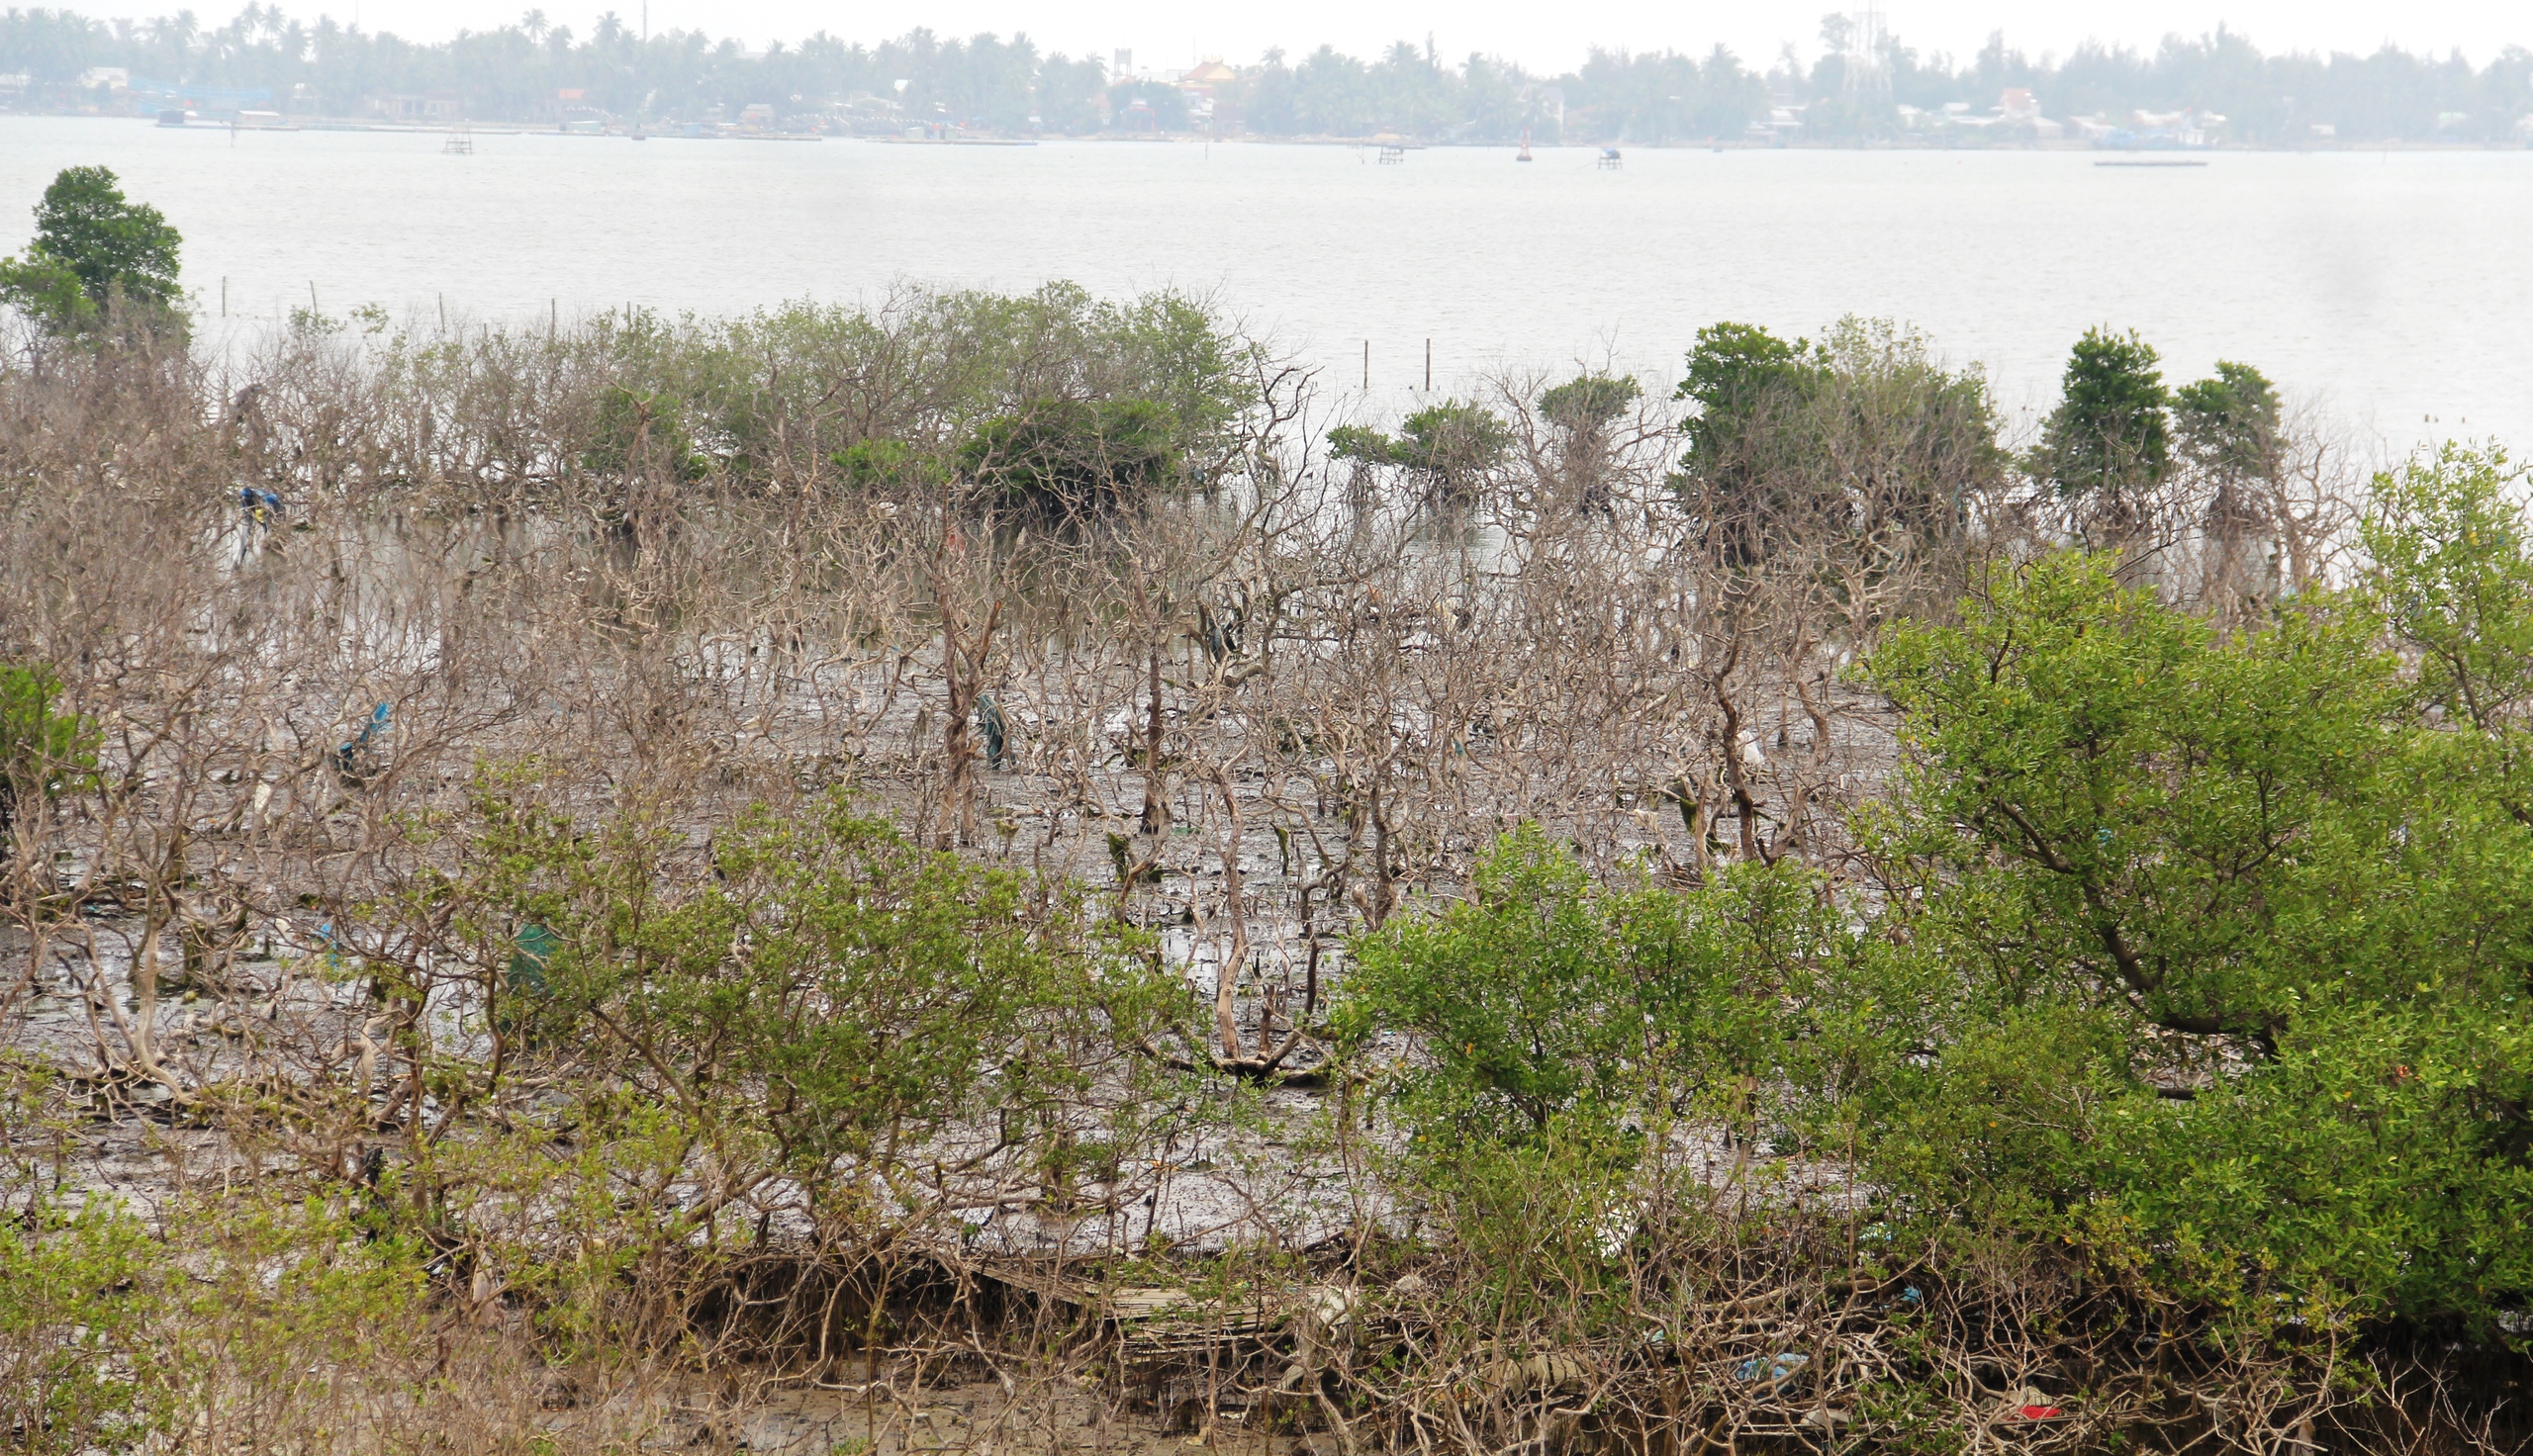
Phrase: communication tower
x=1867 y=69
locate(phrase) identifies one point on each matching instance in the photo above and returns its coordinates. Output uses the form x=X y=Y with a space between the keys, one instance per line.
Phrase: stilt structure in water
x=461 y=140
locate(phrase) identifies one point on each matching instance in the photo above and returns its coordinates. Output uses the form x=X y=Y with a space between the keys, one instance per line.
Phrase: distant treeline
x=534 y=70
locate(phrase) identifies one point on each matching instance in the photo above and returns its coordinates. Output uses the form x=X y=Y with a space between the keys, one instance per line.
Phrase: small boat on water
x=1525 y=153
x=639 y=135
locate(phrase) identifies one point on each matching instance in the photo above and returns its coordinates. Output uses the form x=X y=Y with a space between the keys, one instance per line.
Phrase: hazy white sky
x=1547 y=36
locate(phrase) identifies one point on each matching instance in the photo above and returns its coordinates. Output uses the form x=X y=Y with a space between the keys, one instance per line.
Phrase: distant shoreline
x=668 y=134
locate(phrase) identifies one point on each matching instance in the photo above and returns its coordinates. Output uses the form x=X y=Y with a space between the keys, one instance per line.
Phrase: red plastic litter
x=2040 y=1413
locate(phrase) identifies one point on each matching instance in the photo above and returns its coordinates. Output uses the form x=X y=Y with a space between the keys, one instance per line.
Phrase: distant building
x=1121 y=64
x=427 y=108
x=1198 y=84
x=2017 y=115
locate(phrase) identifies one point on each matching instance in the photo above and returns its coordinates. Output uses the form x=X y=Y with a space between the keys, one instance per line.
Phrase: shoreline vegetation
x=974 y=873
x=1847 y=87
x=2118 y=157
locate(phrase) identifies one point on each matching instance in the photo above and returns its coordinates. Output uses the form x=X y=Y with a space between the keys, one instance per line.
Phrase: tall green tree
x=1865 y=441
x=92 y=247
x=2110 y=438
x=2214 y=948
x=1740 y=377
x=2228 y=424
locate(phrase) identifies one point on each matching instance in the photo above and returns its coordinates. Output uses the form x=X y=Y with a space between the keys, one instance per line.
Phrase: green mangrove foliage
x=1586 y=404
x=1544 y=997
x=1864 y=438
x=2110 y=438
x=43 y=751
x=1068 y=456
x=1448 y=447
x=2198 y=955
x=2223 y=965
x=867 y=1034
x=2228 y=424
x=808 y=396
x=94 y=251
x=119 y=1335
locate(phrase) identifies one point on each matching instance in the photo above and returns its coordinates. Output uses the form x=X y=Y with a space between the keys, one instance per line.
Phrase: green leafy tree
x=783 y=392
x=2228 y=431
x=1587 y=403
x=1582 y=410
x=2453 y=548
x=44 y=751
x=1361 y=443
x=872 y=465
x=1072 y=456
x=77 y=1305
x=1740 y=378
x=2215 y=962
x=92 y=247
x=2110 y=438
x=1449 y=447
x=835 y=999
x=1544 y=997
x=2228 y=424
x=1864 y=443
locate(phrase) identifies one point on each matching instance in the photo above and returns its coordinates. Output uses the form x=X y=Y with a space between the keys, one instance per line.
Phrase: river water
x=2393 y=291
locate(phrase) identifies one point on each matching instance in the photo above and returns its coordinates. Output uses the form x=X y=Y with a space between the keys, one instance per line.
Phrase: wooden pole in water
x=313 y=305
x=1428 y=366
x=1367 y=364
x=223 y=296
x=443 y=313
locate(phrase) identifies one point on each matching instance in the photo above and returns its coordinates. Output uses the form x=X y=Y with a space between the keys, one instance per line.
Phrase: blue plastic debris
x=1771 y=1368
x=348 y=756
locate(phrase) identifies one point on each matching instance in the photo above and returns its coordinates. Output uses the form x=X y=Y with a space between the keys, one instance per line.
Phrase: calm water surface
x=2395 y=291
